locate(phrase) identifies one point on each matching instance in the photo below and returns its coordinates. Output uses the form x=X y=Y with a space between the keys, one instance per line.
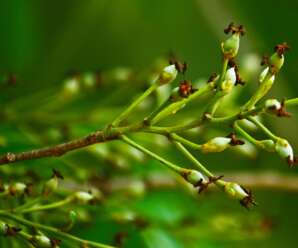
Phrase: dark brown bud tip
x=234 y=141
x=280 y=49
x=57 y=174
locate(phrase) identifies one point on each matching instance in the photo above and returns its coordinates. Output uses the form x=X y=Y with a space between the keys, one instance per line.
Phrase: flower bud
x=230 y=80
x=41 y=241
x=267 y=145
x=230 y=47
x=71 y=86
x=217 y=144
x=168 y=75
x=50 y=186
x=284 y=149
x=195 y=177
x=272 y=104
x=263 y=74
x=276 y=61
x=17 y=189
x=235 y=191
x=3 y=228
x=83 y=197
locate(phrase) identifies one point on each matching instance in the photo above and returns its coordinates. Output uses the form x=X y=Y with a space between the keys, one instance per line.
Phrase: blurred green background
x=41 y=41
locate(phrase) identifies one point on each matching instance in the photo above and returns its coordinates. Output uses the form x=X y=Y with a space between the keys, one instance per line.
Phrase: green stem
x=245 y=135
x=134 y=104
x=195 y=162
x=165 y=162
x=184 y=141
x=48 y=206
x=263 y=128
x=291 y=102
x=53 y=230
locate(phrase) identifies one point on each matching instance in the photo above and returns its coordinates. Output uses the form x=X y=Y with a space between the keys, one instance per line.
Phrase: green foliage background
x=42 y=40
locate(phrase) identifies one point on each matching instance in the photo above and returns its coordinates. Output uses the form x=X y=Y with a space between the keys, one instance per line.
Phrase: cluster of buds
x=276 y=107
x=219 y=144
x=237 y=192
x=285 y=150
x=230 y=47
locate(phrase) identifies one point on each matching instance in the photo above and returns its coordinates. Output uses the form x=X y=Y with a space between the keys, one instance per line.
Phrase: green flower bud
x=83 y=197
x=276 y=61
x=3 y=228
x=272 y=104
x=168 y=75
x=235 y=191
x=89 y=80
x=195 y=177
x=17 y=189
x=284 y=149
x=267 y=145
x=50 y=186
x=217 y=144
x=41 y=241
x=230 y=80
x=230 y=47
x=71 y=86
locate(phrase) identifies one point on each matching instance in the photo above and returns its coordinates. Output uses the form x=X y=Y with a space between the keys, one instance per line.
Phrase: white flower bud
x=272 y=104
x=284 y=149
x=235 y=191
x=230 y=80
x=71 y=86
x=217 y=144
x=17 y=189
x=83 y=197
x=263 y=74
x=41 y=241
x=195 y=177
x=168 y=75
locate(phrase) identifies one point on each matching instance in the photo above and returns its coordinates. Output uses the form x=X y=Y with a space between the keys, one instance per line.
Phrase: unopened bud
x=230 y=47
x=230 y=80
x=168 y=75
x=272 y=104
x=195 y=177
x=50 y=186
x=284 y=149
x=267 y=145
x=235 y=191
x=3 y=228
x=17 y=189
x=217 y=144
x=83 y=197
x=71 y=86
x=41 y=241
x=276 y=62
x=263 y=74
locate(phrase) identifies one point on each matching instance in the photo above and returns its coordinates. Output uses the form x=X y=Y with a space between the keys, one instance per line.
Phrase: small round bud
x=217 y=144
x=272 y=104
x=235 y=191
x=50 y=186
x=88 y=80
x=195 y=177
x=83 y=197
x=17 y=189
x=168 y=75
x=71 y=86
x=284 y=149
x=230 y=47
x=3 y=228
x=41 y=241
x=267 y=145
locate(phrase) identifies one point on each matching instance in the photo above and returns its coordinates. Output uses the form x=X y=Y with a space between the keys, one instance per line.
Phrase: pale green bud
x=194 y=177
x=3 y=228
x=235 y=191
x=276 y=61
x=167 y=75
x=217 y=144
x=272 y=104
x=17 y=189
x=50 y=186
x=267 y=145
x=83 y=197
x=230 y=80
x=284 y=149
x=71 y=86
x=230 y=47
x=41 y=241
